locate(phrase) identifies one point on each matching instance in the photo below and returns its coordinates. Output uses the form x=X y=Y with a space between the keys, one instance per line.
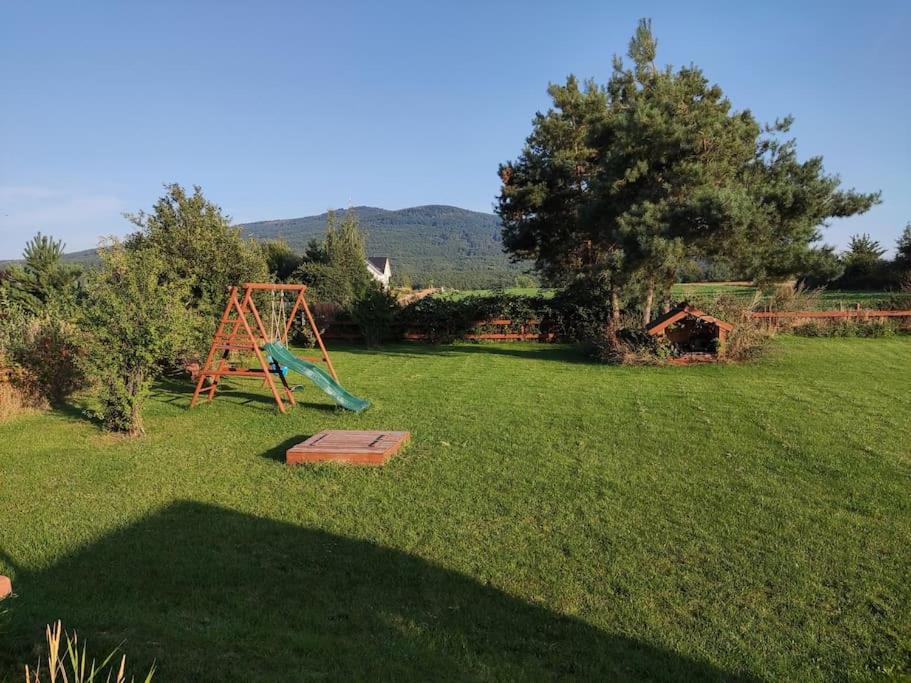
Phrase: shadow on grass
x=278 y=452
x=180 y=392
x=78 y=411
x=544 y=352
x=214 y=595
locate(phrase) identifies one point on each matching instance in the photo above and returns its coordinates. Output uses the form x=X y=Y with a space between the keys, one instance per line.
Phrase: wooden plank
x=267 y=286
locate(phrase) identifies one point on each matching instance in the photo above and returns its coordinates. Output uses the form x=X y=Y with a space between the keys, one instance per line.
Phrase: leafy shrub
x=137 y=320
x=447 y=320
x=53 y=351
x=580 y=312
x=375 y=312
x=199 y=249
x=442 y=320
x=335 y=269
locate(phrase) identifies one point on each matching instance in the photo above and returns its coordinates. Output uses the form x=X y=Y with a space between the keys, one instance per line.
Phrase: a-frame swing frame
x=235 y=332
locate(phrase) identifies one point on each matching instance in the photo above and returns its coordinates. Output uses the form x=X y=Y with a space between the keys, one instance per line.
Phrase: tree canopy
x=335 y=269
x=199 y=245
x=624 y=182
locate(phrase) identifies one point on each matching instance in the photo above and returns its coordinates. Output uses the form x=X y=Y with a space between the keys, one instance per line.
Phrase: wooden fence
x=502 y=329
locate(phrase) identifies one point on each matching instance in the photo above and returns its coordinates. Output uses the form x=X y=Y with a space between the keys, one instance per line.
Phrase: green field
x=551 y=519
x=834 y=298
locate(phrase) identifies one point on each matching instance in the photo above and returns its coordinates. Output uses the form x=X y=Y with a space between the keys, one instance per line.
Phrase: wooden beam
x=268 y=286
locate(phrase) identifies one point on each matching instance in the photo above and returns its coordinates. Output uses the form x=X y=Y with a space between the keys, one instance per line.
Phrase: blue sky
x=285 y=109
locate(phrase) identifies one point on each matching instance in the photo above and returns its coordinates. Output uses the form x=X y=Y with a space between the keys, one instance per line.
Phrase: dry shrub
x=630 y=344
x=747 y=341
x=847 y=327
x=50 y=352
x=750 y=337
x=18 y=393
x=787 y=297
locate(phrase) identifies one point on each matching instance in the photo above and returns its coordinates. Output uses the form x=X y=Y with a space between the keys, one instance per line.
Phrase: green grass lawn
x=551 y=519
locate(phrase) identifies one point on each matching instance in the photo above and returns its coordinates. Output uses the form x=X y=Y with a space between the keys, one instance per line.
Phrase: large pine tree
x=622 y=183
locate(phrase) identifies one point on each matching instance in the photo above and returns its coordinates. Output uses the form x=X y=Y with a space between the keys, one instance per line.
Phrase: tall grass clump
x=68 y=662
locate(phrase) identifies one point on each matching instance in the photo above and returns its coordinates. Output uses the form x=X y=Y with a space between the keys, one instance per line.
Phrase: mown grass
x=551 y=519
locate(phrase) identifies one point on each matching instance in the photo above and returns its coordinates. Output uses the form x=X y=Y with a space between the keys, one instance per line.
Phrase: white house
x=380 y=268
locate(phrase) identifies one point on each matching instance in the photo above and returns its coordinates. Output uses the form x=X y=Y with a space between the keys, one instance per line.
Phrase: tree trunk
x=614 y=309
x=649 y=300
x=135 y=391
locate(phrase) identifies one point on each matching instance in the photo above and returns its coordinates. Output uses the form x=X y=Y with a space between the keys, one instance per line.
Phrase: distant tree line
x=862 y=265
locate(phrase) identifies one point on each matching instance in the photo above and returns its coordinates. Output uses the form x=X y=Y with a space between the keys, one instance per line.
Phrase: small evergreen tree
x=903 y=251
x=864 y=267
x=374 y=312
x=44 y=282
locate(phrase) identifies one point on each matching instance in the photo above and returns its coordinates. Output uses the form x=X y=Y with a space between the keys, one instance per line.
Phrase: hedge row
x=443 y=320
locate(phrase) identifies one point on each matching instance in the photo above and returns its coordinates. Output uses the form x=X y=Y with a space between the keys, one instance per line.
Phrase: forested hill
x=433 y=245
x=442 y=245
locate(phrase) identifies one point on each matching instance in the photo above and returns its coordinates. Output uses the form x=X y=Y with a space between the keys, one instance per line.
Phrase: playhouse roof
x=681 y=311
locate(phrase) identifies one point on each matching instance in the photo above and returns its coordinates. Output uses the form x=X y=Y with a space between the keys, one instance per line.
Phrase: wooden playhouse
x=697 y=336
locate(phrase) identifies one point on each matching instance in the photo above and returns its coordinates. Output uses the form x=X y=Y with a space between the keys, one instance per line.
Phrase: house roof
x=378 y=263
x=680 y=311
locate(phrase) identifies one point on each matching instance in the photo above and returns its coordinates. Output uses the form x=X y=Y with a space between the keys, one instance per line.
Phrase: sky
x=281 y=110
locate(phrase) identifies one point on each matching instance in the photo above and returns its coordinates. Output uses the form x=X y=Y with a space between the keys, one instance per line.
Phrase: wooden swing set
x=235 y=332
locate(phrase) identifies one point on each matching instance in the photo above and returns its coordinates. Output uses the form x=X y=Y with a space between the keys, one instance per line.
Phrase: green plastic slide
x=318 y=376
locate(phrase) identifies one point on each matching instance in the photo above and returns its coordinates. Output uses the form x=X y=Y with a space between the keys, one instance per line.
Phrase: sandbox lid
x=355 y=447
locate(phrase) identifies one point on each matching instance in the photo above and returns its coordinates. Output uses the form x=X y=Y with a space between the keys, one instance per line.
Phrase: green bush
x=442 y=320
x=581 y=311
x=199 y=249
x=137 y=320
x=375 y=312
x=446 y=320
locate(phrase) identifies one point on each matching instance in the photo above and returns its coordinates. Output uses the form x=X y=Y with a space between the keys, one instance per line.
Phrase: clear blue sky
x=284 y=109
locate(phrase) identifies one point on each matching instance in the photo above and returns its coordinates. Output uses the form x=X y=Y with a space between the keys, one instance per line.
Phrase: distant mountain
x=444 y=245
x=434 y=244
